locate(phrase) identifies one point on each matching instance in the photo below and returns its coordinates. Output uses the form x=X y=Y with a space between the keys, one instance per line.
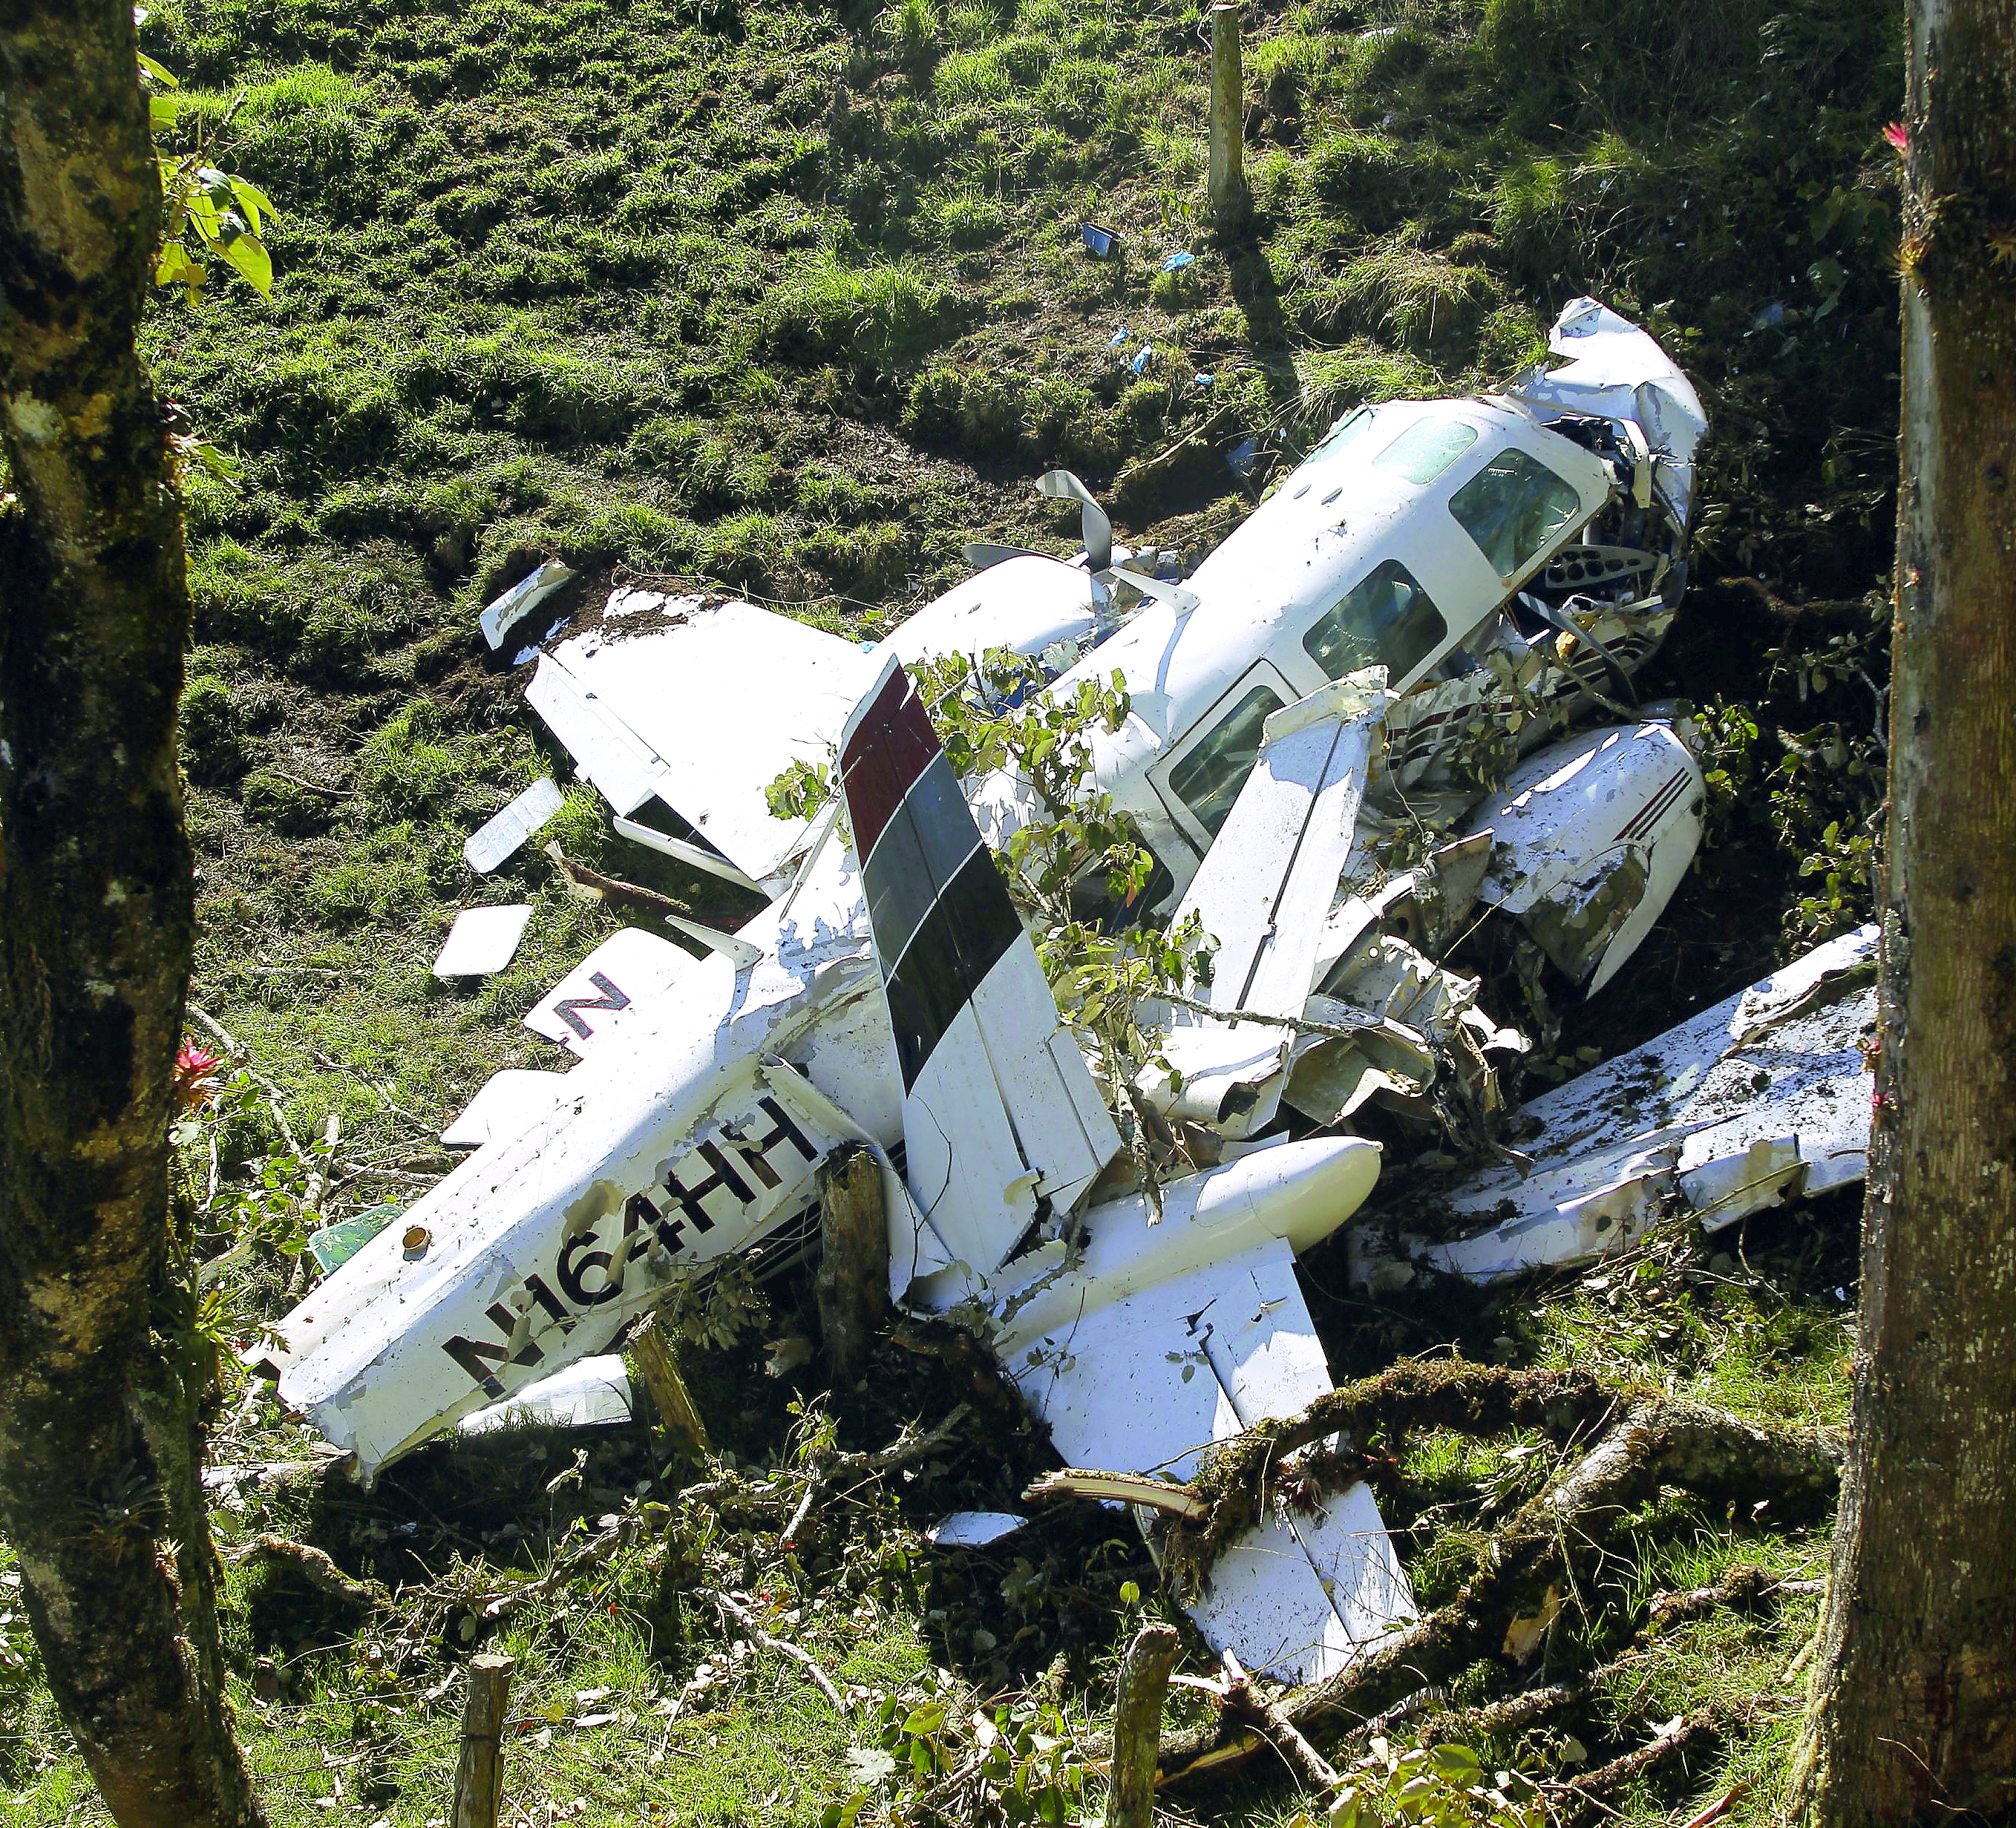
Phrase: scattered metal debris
x=521 y=599
x=486 y=849
x=482 y=941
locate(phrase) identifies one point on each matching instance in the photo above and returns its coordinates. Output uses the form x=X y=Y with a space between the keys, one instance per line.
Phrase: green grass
x=795 y=300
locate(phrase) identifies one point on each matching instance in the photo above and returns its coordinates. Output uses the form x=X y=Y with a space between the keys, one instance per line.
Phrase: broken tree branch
x=612 y=892
x=1697 y=1735
x=734 y=1609
x=1743 y=1585
x=1245 y=1698
x=315 y=1566
x=217 y=1032
x=1137 y=1724
x=1142 y=1488
x=1659 y=1442
x=1440 y=1393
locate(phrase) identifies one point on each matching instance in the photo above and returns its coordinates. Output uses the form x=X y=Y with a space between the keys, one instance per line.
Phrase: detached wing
x=1263 y=893
x=700 y=707
x=1145 y=1384
x=999 y=1111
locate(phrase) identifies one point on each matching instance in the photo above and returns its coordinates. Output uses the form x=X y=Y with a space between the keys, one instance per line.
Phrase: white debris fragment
x=974 y=1529
x=521 y=598
x=482 y=941
x=484 y=850
x=591 y=1393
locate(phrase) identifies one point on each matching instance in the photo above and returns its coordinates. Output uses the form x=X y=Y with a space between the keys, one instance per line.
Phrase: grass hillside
x=793 y=300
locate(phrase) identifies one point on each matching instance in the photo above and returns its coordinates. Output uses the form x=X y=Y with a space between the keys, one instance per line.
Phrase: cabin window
x=1345 y=432
x=1386 y=620
x=1208 y=778
x=1427 y=448
x=1513 y=508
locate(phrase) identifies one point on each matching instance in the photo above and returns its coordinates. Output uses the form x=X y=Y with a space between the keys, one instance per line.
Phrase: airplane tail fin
x=986 y=1059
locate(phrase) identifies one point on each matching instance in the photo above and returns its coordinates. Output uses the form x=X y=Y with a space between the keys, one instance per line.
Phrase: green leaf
x=256 y=206
x=165 y=78
x=1459 y=1762
x=246 y=253
x=927 y=1719
x=162 y=112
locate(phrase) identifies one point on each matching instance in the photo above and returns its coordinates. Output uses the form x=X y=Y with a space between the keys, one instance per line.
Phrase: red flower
x=1899 y=136
x=195 y=1067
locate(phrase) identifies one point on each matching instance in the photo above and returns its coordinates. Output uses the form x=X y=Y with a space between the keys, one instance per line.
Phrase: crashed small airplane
x=1439 y=589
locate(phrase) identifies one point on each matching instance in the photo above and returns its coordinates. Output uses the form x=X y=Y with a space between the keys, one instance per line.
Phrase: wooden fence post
x=1137 y=1724
x=1230 y=201
x=479 y=1777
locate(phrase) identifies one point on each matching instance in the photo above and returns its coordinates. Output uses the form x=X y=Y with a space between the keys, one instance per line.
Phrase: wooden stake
x=1230 y=201
x=653 y=1363
x=479 y=1778
x=853 y=1282
x=1137 y=1724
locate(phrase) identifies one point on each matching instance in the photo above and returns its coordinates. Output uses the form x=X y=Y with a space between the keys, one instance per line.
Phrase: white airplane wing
x=999 y=1110
x=1147 y=1382
x=1763 y=1095
x=700 y=707
x=1263 y=892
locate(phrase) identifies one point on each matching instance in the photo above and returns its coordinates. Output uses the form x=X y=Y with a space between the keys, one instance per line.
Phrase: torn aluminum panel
x=486 y=848
x=1764 y=1095
x=1028 y=604
x=504 y=615
x=974 y=1529
x=507 y=1104
x=1421 y=1040
x=1616 y=370
x=1262 y=893
x=591 y=1393
x=1167 y=1337
x=627 y=977
x=1590 y=838
x=700 y=706
x=482 y=941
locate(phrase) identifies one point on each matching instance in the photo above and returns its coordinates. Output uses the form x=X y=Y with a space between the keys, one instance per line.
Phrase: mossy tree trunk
x=99 y=1452
x=1915 y=1676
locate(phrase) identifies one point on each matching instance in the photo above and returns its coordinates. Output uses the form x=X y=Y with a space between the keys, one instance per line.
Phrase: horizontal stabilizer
x=1146 y=1383
x=703 y=705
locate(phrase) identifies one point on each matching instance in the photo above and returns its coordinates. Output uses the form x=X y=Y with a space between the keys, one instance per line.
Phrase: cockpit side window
x=1513 y=508
x=1386 y=619
x=1345 y=431
x=1427 y=448
x=1208 y=778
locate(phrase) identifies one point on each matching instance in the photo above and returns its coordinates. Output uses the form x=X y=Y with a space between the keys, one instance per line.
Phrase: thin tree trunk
x=1914 y=1684
x=100 y=1371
